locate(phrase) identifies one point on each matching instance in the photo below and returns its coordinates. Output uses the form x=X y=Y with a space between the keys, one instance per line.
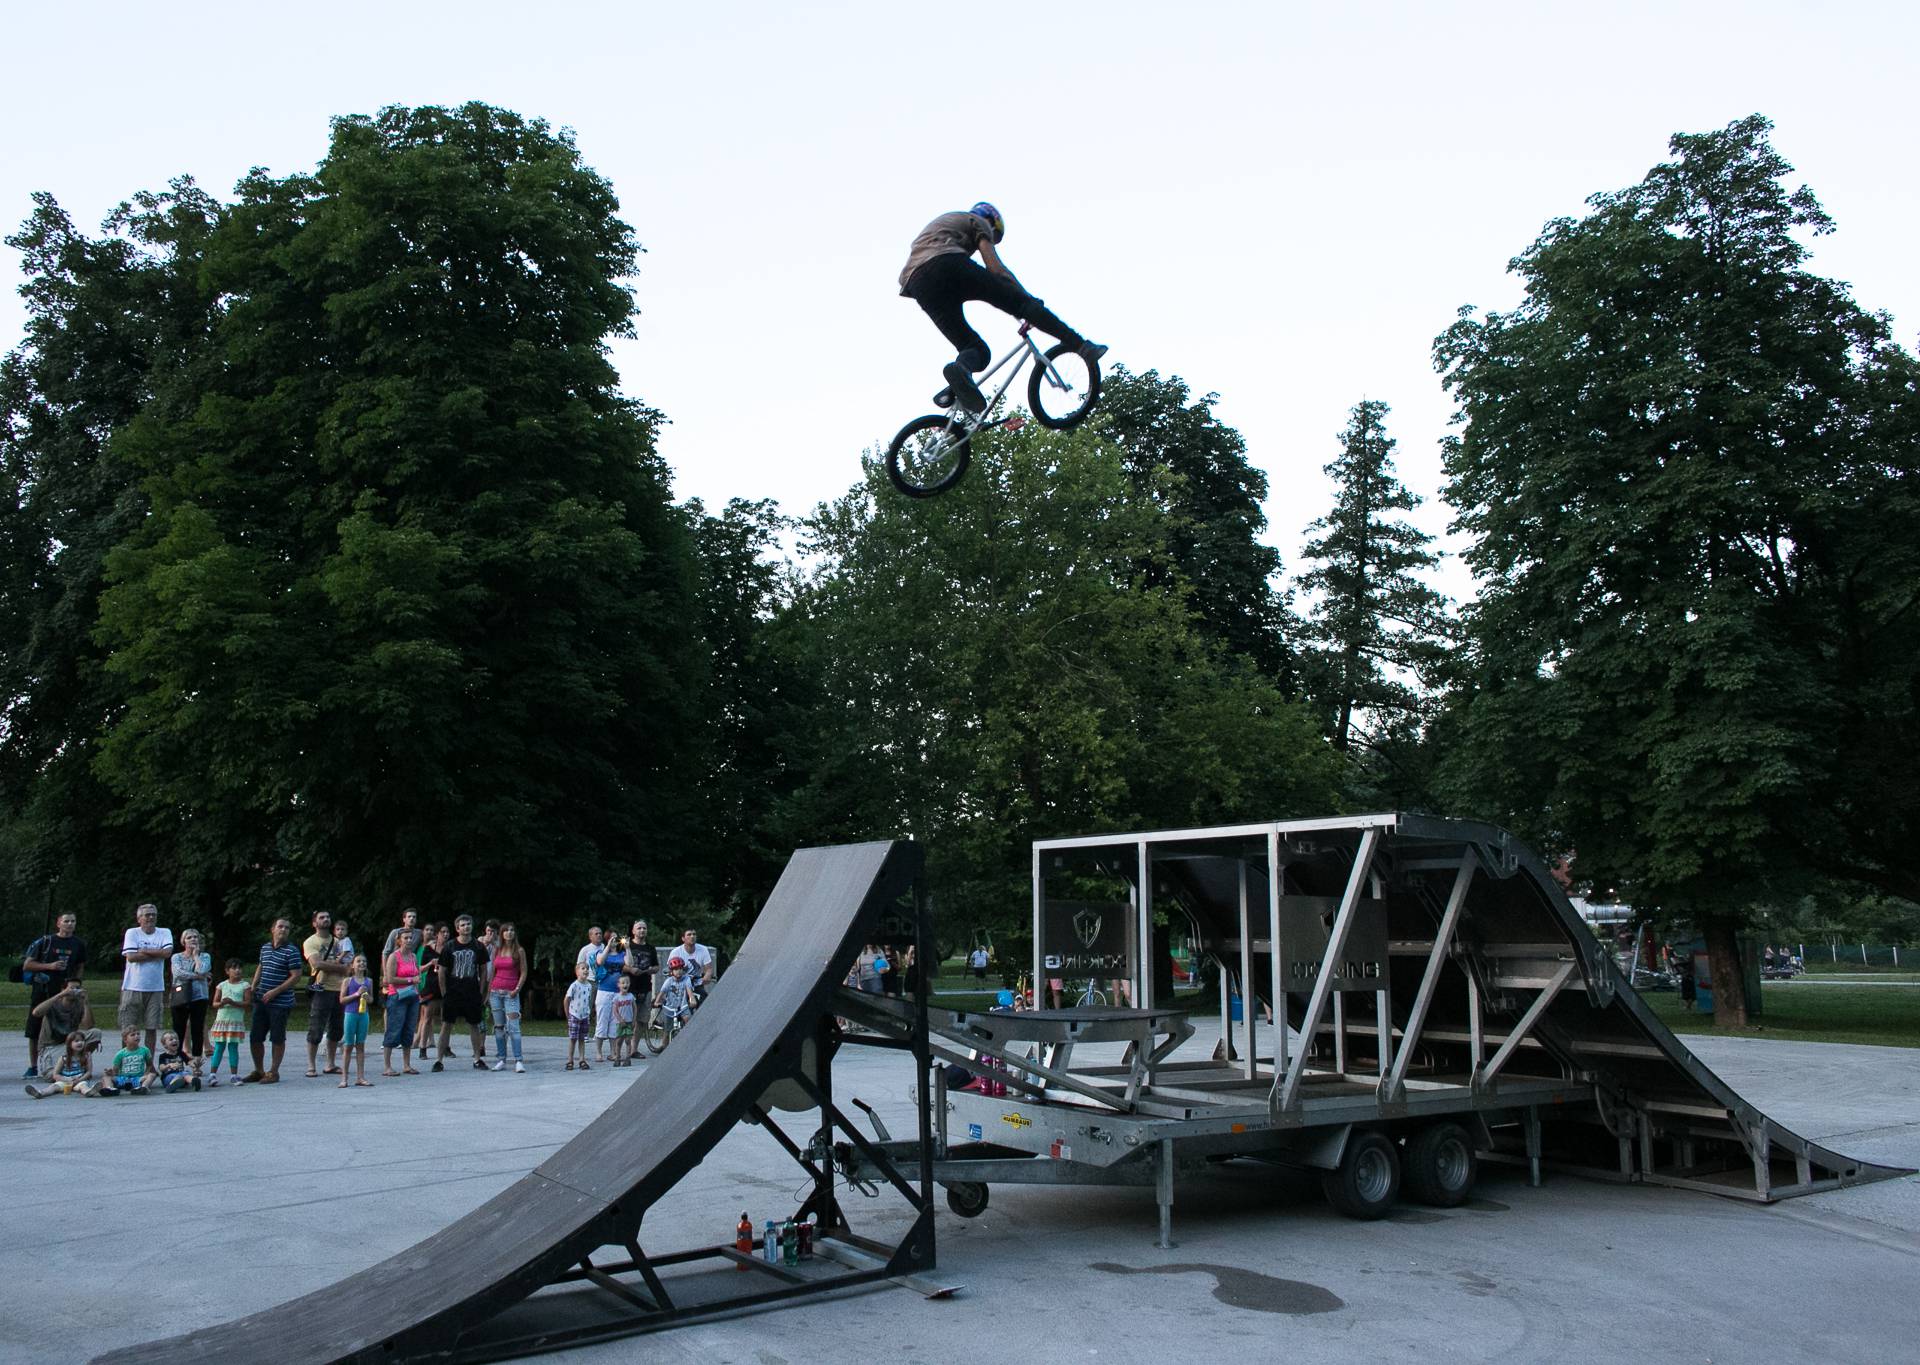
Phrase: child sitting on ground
x=356 y=995
x=625 y=1010
x=579 y=1014
x=131 y=1072
x=230 y=1021
x=74 y=1075
x=173 y=1067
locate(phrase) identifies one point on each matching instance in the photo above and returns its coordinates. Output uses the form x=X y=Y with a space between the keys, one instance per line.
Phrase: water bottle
x=770 y=1248
x=789 y=1243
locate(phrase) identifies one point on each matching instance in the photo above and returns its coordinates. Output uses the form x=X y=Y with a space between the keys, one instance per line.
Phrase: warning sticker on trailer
x=1060 y=1151
x=1017 y=1120
x=974 y=1134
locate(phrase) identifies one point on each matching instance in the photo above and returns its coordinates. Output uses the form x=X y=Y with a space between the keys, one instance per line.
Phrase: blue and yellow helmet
x=987 y=211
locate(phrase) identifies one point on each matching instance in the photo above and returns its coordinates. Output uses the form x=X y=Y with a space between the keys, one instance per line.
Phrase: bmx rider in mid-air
x=941 y=275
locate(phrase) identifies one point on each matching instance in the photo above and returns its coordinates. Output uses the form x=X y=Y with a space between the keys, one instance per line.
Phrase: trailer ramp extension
x=433 y=1302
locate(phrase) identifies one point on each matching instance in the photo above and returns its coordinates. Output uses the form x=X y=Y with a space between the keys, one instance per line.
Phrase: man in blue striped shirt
x=273 y=983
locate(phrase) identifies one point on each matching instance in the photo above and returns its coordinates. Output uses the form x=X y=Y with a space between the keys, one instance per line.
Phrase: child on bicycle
x=941 y=275
x=674 y=999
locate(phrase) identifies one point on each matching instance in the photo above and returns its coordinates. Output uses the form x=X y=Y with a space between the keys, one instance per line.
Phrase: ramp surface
x=592 y=1192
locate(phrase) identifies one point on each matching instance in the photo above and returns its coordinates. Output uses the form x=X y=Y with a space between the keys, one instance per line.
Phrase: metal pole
x=1477 y=1044
x=1165 y=1192
x=922 y=1249
x=1039 y=905
x=1277 y=989
x=1430 y=982
x=1143 y=968
x=1287 y=1084
x=1247 y=1005
x=1226 y=1010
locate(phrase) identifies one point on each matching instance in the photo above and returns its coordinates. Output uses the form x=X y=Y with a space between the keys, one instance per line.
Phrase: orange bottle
x=743 y=1240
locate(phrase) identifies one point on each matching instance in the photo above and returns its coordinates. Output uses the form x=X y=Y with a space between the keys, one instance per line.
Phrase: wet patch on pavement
x=1243 y=1288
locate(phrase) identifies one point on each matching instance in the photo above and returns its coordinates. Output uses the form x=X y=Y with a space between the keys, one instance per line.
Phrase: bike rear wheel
x=929 y=455
x=1062 y=392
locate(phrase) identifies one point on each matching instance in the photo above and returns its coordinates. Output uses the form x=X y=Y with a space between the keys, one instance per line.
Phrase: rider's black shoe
x=1092 y=351
x=964 y=390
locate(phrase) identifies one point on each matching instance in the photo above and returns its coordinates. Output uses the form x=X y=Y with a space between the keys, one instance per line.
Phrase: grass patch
x=1881 y=1016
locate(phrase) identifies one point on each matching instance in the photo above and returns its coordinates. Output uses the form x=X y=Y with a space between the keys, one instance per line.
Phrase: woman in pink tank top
x=402 y=973
x=509 y=970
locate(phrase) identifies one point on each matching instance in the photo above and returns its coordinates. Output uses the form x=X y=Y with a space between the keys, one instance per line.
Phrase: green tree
x=411 y=619
x=1195 y=467
x=1019 y=658
x=758 y=700
x=102 y=313
x=1377 y=630
x=1689 y=468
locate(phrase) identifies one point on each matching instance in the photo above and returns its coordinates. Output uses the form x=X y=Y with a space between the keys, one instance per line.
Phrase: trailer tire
x=1441 y=1166
x=968 y=1198
x=1368 y=1177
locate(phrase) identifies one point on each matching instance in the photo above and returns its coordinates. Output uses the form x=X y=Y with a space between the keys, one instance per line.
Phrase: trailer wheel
x=968 y=1198
x=1368 y=1178
x=1441 y=1165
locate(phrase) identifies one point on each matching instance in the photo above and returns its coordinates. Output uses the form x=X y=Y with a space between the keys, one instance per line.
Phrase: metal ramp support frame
x=1513 y=995
x=866 y=1262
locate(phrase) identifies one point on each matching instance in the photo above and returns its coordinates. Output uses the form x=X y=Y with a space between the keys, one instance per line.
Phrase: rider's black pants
x=944 y=283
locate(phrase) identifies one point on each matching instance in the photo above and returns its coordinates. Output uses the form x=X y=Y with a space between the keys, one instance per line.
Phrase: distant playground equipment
x=929 y=454
x=1443 y=1007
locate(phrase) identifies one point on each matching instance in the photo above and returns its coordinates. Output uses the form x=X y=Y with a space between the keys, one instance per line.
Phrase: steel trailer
x=1444 y=1005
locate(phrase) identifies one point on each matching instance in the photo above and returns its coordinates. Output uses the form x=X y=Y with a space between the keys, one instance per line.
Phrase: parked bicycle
x=1092 y=995
x=930 y=453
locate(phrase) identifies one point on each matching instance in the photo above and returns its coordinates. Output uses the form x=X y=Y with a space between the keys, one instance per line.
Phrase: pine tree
x=1376 y=628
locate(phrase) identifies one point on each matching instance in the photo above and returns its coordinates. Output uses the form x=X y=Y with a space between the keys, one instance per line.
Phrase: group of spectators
x=614 y=972
x=877 y=973
x=429 y=978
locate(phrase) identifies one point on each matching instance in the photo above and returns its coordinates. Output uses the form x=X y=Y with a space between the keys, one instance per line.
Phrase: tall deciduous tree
x=1018 y=658
x=411 y=619
x=1213 y=499
x=758 y=700
x=103 y=313
x=1689 y=466
x=1376 y=628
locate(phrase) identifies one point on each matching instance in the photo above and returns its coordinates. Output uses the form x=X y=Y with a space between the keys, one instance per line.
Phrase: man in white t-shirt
x=697 y=958
x=591 y=952
x=143 y=983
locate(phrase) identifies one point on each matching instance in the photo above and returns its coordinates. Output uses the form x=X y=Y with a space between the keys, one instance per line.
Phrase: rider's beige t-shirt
x=951 y=234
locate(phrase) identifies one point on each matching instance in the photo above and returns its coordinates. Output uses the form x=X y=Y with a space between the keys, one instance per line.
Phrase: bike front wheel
x=1063 y=391
x=655 y=1035
x=929 y=455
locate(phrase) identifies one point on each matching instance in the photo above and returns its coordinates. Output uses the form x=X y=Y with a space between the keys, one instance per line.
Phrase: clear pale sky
x=1279 y=202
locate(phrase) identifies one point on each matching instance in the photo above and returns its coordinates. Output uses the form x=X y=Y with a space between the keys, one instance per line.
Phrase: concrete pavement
x=184 y=1210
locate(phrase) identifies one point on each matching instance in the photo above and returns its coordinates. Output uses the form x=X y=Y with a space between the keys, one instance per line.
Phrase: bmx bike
x=1092 y=995
x=660 y=1031
x=930 y=453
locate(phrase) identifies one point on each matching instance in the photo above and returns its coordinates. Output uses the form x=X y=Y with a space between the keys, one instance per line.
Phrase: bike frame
x=1017 y=357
